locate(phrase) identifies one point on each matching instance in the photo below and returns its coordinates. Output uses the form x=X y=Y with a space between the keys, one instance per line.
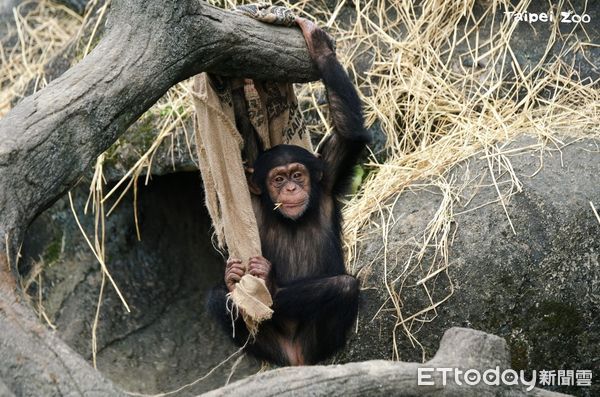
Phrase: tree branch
x=35 y=362
x=51 y=137
x=460 y=348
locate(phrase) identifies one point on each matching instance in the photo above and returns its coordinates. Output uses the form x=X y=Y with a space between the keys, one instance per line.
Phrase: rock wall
x=539 y=288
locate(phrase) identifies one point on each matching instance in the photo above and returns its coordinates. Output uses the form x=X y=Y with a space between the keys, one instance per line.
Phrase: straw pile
x=39 y=30
x=434 y=111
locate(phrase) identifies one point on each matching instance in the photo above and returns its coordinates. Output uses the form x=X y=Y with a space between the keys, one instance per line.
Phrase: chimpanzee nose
x=291 y=187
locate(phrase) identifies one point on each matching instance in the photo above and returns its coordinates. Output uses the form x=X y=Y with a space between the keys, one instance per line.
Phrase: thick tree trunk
x=51 y=137
x=35 y=362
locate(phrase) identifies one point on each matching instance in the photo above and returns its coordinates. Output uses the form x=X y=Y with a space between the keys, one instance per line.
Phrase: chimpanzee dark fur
x=315 y=300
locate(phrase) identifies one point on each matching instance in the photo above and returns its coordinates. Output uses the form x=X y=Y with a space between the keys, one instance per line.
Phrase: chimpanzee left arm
x=341 y=149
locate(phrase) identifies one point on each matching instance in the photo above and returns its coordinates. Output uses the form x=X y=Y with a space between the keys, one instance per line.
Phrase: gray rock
x=76 y=5
x=4 y=391
x=6 y=7
x=538 y=288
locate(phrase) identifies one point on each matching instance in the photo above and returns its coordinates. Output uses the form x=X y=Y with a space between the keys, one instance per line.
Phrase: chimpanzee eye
x=297 y=175
x=279 y=179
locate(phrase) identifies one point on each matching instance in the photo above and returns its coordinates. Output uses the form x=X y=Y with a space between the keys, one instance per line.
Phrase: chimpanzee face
x=289 y=189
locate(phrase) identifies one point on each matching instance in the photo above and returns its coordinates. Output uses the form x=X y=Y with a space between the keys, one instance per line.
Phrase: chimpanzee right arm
x=340 y=150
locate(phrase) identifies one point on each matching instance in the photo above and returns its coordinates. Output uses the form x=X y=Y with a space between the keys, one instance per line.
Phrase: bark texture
x=460 y=348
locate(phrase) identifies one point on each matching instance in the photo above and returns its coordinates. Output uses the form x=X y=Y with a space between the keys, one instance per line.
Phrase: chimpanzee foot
x=292 y=350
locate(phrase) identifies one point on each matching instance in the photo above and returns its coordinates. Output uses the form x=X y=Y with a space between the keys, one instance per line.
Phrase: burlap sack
x=274 y=113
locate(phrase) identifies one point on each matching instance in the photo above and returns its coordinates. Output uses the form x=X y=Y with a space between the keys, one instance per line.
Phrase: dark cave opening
x=167 y=339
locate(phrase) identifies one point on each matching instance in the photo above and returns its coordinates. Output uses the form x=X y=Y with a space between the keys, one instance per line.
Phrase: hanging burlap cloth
x=274 y=114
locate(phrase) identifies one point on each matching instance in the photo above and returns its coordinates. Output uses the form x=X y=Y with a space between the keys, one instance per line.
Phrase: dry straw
x=39 y=30
x=434 y=112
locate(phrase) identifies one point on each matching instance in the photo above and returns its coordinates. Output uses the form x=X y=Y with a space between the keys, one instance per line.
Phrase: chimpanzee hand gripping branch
x=295 y=196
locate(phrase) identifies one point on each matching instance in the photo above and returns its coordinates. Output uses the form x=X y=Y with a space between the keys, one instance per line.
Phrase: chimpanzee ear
x=254 y=189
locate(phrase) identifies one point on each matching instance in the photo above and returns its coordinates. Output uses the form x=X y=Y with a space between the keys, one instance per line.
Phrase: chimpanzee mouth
x=294 y=205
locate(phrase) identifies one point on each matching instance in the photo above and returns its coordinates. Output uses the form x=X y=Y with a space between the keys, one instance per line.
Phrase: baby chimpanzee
x=296 y=202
